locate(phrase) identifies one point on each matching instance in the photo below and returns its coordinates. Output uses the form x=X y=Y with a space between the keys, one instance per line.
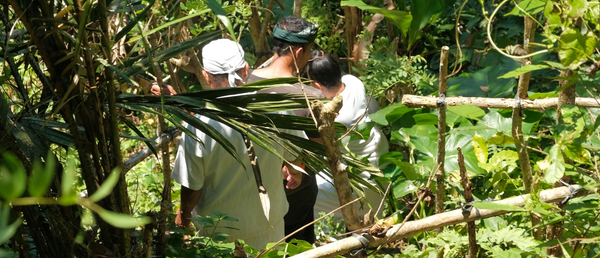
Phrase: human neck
x=281 y=66
x=222 y=84
x=331 y=93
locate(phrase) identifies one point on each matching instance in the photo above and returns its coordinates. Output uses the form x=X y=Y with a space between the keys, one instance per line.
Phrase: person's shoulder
x=254 y=78
x=352 y=80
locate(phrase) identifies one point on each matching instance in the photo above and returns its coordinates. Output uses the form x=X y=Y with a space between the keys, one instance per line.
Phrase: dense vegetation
x=75 y=107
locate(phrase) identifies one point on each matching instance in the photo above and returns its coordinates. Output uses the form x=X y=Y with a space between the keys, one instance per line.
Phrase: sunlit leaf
x=401 y=19
x=480 y=148
x=556 y=169
x=13 y=177
x=525 y=69
x=221 y=14
x=7 y=231
x=530 y=6
x=40 y=179
x=68 y=195
x=574 y=48
x=120 y=220
x=106 y=187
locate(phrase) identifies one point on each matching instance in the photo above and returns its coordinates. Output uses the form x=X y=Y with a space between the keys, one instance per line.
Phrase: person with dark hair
x=325 y=74
x=293 y=39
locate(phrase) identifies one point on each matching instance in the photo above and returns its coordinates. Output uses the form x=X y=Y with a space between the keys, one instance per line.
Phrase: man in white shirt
x=212 y=179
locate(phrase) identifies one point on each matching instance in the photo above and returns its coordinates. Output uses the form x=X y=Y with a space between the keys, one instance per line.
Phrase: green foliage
x=384 y=69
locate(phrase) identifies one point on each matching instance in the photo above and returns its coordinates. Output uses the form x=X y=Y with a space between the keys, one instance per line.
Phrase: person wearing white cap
x=213 y=180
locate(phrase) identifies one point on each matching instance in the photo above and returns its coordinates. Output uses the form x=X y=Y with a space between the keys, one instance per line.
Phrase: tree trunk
x=325 y=115
x=298 y=8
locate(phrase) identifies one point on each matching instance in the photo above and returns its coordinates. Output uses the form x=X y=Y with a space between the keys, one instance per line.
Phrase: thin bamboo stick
x=433 y=222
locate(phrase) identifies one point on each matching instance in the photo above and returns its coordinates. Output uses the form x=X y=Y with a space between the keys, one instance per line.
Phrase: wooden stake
x=467 y=185
x=433 y=222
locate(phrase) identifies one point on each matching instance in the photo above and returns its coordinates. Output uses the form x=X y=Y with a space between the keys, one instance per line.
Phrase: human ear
x=207 y=77
x=245 y=71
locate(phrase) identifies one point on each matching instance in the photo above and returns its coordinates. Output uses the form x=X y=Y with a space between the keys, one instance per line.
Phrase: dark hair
x=324 y=69
x=293 y=24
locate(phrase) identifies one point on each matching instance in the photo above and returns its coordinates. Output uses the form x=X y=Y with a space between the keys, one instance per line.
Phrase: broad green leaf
x=577 y=153
x=403 y=187
x=577 y=8
x=556 y=169
x=426 y=119
x=390 y=113
x=524 y=69
x=401 y=19
x=422 y=11
x=13 y=177
x=497 y=206
x=40 y=179
x=68 y=195
x=480 y=148
x=532 y=7
x=500 y=139
x=221 y=14
x=468 y=111
x=504 y=160
x=574 y=48
x=120 y=220
x=409 y=170
x=106 y=187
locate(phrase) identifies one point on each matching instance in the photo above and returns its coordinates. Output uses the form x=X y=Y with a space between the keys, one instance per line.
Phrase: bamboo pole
x=440 y=176
x=325 y=115
x=436 y=221
x=430 y=102
x=467 y=185
x=441 y=154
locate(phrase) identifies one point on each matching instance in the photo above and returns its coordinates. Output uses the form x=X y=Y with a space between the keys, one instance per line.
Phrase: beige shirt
x=230 y=188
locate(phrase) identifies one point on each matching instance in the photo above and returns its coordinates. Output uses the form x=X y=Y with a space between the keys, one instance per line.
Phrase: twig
x=305 y=226
x=302 y=85
x=429 y=180
x=383 y=199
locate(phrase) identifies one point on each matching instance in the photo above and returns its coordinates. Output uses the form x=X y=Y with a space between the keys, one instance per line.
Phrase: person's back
x=292 y=41
x=230 y=188
x=213 y=180
x=326 y=75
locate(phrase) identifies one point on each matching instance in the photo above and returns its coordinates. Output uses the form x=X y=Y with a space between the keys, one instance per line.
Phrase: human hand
x=183 y=220
x=166 y=89
x=292 y=176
